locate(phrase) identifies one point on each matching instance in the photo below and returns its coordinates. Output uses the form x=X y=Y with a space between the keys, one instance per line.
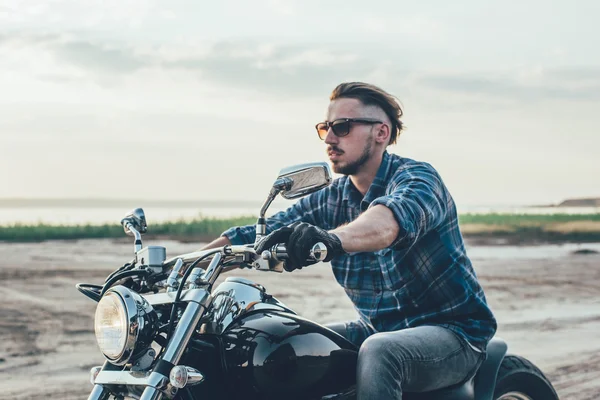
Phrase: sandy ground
x=546 y=299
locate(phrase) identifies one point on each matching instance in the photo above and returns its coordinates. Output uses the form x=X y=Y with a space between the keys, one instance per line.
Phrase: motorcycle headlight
x=125 y=323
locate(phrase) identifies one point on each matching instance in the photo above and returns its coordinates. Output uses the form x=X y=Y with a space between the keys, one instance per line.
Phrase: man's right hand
x=299 y=238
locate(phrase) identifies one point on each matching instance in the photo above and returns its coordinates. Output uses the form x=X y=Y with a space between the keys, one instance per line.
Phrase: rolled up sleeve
x=240 y=234
x=418 y=199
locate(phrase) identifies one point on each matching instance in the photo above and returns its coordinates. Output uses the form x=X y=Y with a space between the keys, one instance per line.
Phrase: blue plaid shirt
x=423 y=278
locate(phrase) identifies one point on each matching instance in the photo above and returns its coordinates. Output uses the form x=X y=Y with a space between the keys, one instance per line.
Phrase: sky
x=209 y=100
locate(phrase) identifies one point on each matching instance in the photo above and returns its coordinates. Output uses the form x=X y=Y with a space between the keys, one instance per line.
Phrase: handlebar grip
x=317 y=253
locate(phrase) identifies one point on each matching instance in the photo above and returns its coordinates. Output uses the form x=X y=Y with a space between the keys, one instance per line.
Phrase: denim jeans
x=418 y=359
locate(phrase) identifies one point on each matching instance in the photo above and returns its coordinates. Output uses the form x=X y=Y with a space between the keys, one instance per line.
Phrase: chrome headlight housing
x=125 y=323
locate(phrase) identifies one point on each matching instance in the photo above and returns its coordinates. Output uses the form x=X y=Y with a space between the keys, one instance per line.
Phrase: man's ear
x=383 y=134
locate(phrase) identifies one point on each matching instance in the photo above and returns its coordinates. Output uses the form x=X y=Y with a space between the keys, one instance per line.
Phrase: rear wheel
x=519 y=379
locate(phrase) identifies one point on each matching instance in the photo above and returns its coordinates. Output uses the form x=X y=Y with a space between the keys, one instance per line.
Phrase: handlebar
x=269 y=259
x=317 y=253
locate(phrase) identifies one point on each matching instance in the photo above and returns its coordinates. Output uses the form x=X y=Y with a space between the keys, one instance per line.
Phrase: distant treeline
x=512 y=228
x=199 y=229
x=532 y=228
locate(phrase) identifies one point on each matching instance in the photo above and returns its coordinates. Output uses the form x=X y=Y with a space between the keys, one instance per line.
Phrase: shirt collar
x=377 y=188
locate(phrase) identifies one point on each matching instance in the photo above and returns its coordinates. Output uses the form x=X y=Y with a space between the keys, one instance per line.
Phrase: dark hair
x=371 y=95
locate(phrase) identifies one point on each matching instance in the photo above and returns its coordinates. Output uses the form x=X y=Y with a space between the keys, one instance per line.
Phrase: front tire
x=519 y=379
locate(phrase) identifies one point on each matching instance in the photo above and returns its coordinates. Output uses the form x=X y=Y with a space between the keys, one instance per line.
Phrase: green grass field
x=528 y=228
x=514 y=228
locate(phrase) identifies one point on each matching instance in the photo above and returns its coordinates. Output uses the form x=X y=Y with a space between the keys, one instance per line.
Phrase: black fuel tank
x=275 y=354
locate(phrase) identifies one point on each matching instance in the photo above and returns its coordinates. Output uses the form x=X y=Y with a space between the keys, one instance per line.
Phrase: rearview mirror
x=304 y=179
x=137 y=218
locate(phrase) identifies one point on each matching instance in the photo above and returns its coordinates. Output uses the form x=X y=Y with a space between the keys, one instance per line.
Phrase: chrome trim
x=195 y=280
x=186 y=326
x=99 y=393
x=245 y=281
x=228 y=250
x=122 y=378
x=179 y=340
x=158 y=381
x=172 y=283
x=137 y=219
x=212 y=267
x=318 y=252
x=153 y=381
x=192 y=376
x=235 y=297
x=309 y=183
x=169 y=297
x=191 y=257
x=94 y=371
x=137 y=244
x=284 y=172
x=261 y=228
x=151 y=394
x=137 y=311
x=240 y=249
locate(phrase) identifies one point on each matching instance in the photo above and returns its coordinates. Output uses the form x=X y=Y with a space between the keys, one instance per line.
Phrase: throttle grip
x=317 y=253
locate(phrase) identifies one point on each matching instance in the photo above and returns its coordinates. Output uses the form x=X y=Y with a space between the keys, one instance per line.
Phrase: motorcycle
x=166 y=333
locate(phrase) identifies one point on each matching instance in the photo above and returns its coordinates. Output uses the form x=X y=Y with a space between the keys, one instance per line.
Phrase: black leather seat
x=486 y=376
x=464 y=391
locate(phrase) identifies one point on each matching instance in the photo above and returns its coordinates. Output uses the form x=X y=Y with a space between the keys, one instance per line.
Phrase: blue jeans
x=418 y=359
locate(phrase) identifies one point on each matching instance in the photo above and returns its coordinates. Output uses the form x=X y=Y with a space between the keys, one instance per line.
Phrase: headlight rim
x=133 y=317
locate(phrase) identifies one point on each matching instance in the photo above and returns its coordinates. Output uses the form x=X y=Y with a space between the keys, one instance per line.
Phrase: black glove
x=299 y=238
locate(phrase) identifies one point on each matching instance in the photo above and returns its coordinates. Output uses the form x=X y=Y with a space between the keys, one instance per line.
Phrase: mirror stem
x=137 y=245
x=261 y=227
x=280 y=185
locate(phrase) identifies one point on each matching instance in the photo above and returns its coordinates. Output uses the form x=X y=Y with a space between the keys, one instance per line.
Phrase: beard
x=352 y=168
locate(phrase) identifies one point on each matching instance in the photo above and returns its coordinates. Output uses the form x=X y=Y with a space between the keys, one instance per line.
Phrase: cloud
x=529 y=85
x=267 y=68
x=292 y=70
x=295 y=70
x=102 y=58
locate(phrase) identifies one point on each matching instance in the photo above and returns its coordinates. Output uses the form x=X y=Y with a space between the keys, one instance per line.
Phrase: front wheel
x=519 y=379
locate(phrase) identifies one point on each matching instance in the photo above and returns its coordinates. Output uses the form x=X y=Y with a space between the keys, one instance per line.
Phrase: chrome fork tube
x=99 y=393
x=178 y=343
x=211 y=271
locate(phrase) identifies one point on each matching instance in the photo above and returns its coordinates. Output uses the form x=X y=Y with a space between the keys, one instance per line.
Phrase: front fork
x=158 y=381
x=159 y=378
x=99 y=393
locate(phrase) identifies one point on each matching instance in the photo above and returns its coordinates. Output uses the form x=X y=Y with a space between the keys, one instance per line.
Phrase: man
x=391 y=229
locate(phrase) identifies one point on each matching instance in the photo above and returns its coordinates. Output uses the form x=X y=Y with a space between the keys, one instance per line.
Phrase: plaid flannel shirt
x=423 y=278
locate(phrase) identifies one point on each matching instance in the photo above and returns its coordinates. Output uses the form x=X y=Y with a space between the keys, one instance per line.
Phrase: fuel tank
x=273 y=354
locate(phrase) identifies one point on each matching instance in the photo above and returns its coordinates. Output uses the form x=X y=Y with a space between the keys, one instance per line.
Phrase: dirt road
x=546 y=299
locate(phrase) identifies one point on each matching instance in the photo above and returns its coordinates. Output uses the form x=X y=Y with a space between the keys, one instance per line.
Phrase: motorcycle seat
x=466 y=391
x=462 y=391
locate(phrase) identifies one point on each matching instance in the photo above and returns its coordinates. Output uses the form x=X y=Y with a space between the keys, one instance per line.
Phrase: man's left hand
x=299 y=239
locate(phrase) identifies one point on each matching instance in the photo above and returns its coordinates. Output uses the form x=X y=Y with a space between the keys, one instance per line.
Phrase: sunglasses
x=341 y=127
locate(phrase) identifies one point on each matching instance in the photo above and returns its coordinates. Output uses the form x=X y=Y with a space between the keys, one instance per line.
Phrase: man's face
x=349 y=153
